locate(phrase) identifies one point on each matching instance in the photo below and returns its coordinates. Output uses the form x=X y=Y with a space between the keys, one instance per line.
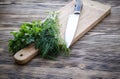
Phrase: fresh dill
x=45 y=35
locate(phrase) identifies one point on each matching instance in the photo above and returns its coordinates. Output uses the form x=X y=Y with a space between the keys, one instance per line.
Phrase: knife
x=72 y=23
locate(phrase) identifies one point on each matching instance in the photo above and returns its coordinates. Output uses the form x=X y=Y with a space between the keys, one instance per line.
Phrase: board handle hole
x=21 y=55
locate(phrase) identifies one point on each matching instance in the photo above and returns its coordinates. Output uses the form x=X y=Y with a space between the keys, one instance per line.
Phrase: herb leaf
x=45 y=35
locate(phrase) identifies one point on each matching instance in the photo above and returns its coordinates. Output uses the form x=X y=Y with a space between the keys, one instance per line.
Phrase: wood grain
x=26 y=54
x=87 y=21
x=95 y=56
x=92 y=13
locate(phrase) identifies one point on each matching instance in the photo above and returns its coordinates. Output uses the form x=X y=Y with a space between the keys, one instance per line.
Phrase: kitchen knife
x=72 y=23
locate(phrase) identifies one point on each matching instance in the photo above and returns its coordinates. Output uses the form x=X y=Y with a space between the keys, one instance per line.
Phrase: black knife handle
x=78 y=6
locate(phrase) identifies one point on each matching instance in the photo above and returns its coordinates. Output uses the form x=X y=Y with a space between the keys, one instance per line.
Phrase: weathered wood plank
x=66 y=73
x=35 y=1
x=95 y=56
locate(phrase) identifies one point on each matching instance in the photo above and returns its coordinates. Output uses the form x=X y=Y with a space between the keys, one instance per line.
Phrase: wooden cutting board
x=92 y=13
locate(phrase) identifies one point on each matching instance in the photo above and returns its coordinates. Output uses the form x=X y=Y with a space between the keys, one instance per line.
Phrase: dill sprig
x=45 y=35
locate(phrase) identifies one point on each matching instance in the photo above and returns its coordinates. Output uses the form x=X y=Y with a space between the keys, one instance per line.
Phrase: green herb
x=45 y=35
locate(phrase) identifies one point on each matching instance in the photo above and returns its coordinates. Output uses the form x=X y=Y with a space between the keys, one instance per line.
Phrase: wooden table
x=95 y=56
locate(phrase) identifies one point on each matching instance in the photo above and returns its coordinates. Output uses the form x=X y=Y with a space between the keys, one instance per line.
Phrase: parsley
x=45 y=35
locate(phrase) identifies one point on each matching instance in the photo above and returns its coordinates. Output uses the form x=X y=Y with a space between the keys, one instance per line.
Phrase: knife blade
x=72 y=23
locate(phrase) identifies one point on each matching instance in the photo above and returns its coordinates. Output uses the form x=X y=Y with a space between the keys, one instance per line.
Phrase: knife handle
x=78 y=7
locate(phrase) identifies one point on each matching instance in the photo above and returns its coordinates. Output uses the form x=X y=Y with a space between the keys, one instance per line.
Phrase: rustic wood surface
x=87 y=21
x=95 y=56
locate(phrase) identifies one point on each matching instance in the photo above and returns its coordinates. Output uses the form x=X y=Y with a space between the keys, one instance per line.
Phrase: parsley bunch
x=45 y=36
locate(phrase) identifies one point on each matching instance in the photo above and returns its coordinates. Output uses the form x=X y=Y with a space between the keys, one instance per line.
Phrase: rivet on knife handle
x=78 y=7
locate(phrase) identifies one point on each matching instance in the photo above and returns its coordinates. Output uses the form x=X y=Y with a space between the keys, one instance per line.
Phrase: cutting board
x=92 y=13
